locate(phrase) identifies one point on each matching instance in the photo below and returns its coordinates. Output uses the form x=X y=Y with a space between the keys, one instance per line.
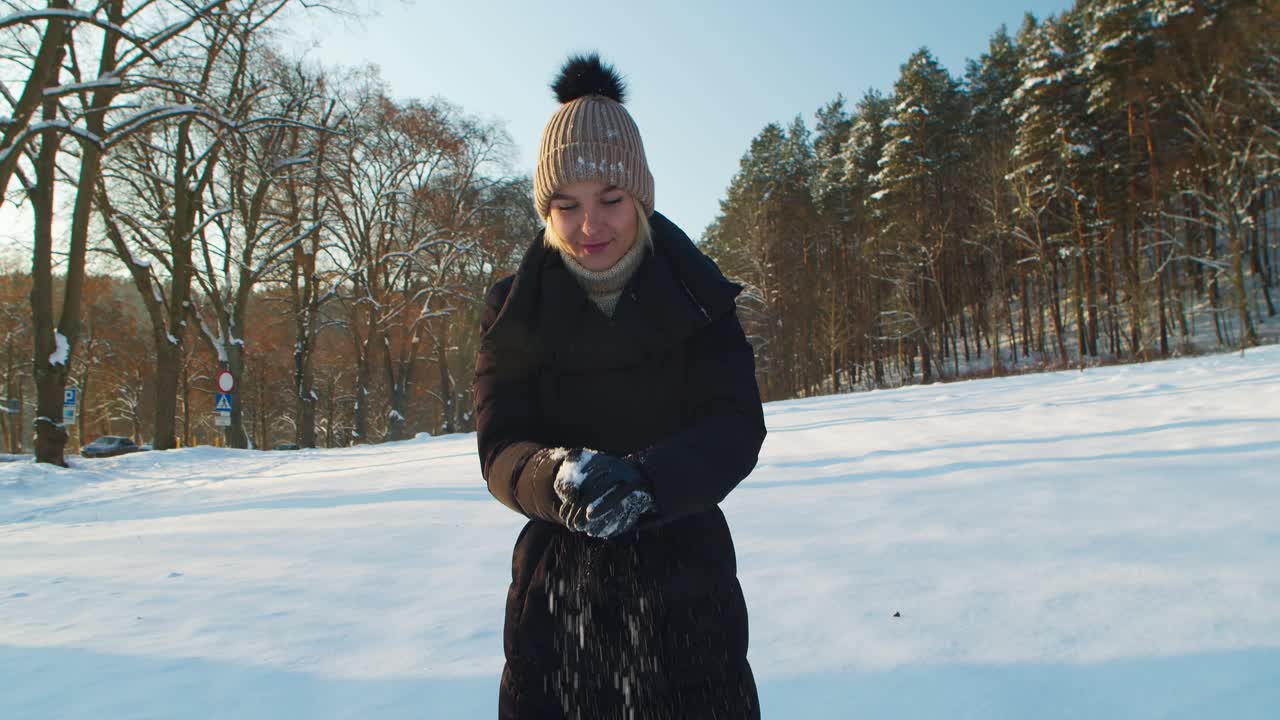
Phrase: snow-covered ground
x=1103 y=544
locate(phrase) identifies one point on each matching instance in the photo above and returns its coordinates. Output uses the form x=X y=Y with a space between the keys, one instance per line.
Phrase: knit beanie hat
x=591 y=136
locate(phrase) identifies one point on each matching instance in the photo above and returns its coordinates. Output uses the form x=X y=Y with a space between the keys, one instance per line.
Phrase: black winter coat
x=652 y=622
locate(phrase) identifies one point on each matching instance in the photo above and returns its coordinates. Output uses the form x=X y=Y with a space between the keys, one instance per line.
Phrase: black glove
x=601 y=495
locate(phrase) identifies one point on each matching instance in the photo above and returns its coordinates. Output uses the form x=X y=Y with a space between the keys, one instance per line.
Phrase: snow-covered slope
x=1102 y=544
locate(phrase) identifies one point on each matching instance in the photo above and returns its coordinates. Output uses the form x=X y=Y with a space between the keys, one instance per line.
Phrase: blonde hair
x=644 y=234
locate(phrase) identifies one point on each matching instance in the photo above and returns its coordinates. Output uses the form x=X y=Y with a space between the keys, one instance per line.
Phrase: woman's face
x=596 y=222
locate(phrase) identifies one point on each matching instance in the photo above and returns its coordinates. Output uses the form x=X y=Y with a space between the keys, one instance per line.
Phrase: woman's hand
x=601 y=495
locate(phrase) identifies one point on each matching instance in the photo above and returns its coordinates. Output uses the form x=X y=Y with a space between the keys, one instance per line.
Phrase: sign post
x=70 y=403
x=223 y=399
x=70 y=407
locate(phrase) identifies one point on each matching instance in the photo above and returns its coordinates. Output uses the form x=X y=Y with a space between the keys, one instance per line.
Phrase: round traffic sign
x=226 y=383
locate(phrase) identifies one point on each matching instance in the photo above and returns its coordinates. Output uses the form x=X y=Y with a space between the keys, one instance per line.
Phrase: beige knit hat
x=591 y=136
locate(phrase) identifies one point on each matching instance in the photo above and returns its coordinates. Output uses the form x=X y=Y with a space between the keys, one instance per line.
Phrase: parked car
x=109 y=445
x=285 y=446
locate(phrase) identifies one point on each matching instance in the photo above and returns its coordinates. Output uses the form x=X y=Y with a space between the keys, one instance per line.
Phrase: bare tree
x=155 y=200
x=1237 y=161
x=306 y=206
x=75 y=105
x=366 y=184
x=257 y=238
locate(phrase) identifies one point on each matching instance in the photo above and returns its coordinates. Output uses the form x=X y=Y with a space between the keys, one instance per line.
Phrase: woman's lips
x=593 y=248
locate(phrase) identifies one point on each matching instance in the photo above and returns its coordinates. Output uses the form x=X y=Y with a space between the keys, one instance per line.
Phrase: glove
x=601 y=495
x=617 y=512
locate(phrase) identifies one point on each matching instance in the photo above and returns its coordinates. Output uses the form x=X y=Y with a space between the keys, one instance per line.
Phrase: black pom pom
x=585 y=75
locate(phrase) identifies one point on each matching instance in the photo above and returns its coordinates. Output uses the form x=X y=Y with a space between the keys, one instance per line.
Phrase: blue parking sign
x=70 y=396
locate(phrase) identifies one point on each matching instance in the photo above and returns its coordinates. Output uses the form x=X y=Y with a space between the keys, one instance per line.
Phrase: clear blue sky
x=704 y=76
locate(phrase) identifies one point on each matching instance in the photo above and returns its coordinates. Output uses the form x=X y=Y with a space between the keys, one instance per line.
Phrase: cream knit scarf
x=604 y=287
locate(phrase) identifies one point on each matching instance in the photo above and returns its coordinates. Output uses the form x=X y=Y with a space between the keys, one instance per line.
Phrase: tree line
x=1099 y=186
x=295 y=225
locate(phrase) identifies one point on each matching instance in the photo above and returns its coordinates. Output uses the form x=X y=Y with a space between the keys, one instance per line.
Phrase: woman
x=616 y=406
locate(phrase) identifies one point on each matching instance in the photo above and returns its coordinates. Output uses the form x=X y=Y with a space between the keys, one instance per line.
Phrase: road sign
x=226 y=383
x=70 y=396
x=222 y=402
x=68 y=413
x=222 y=419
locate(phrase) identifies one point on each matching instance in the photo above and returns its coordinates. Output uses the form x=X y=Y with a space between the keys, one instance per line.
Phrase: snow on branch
x=61 y=125
x=167 y=33
x=130 y=125
x=432 y=315
x=279 y=165
x=62 y=350
x=282 y=250
x=104 y=81
x=217 y=341
x=49 y=421
x=270 y=121
x=33 y=16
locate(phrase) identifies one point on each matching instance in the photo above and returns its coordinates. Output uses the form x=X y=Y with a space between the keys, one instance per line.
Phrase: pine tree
x=762 y=237
x=833 y=204
x=990 y=83
x=917 y=200
x=1051 y=155
x=868 y=133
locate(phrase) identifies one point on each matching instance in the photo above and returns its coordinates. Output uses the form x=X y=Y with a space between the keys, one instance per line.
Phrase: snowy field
x=1075 y=545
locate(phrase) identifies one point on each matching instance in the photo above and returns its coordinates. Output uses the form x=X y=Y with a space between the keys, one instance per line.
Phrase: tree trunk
x=1109 y=262
x=994 y=334
x=955 y=355
x=926 y=359
x=450 y=421
x=82 y=412
x=1026 y=315
x=18 y=436
x=1078 y=303
x=1055 y=307
x=260 y=413
x=361 y=430
x=1258 y=272
x=168 y=369
x=1211 y=247
x=6 y=418
x=304 y=387
x=1086 y=270
x=1156 y=212
x=398 y=390
x=1248 y=334
x=1013 y=332
x=1040 y=317
x=171 y=333
x=1137 y=304
x=304 y=381
x=50 y=362
x=186 y=403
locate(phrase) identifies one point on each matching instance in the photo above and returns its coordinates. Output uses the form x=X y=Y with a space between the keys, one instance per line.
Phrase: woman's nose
x=591 y=224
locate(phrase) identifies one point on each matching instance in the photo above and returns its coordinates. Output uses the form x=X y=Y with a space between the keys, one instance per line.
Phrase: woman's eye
x=613 y=201
x=566 y=208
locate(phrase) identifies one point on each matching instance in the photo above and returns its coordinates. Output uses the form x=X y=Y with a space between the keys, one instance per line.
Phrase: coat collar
x=675 y=291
